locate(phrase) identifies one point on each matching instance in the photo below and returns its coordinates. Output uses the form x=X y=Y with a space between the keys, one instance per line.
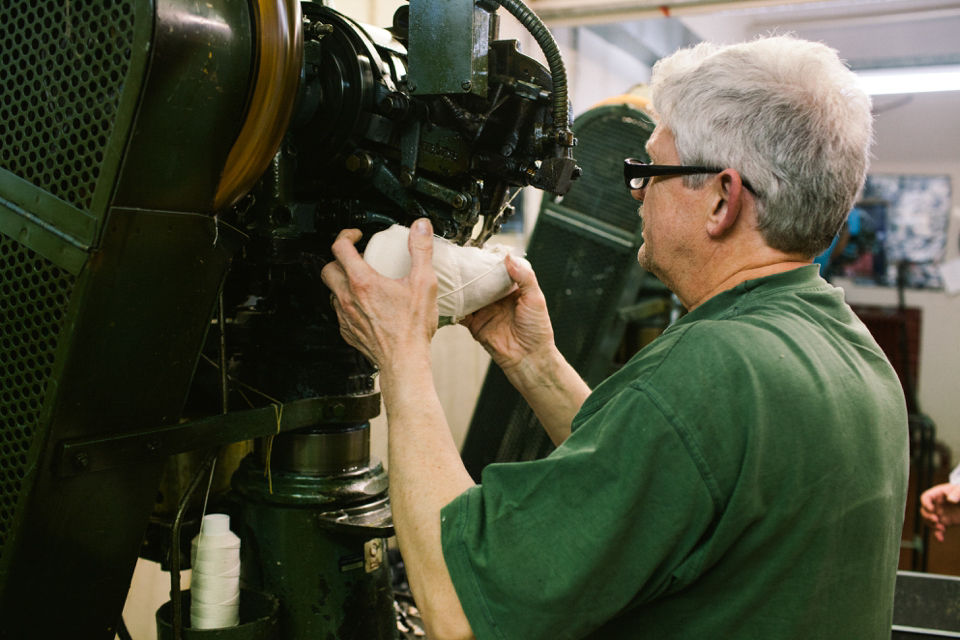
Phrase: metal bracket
x=96 y=454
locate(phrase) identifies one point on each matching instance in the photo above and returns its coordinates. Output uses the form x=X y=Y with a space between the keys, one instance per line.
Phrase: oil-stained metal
x=440 y=64
x=332 y=577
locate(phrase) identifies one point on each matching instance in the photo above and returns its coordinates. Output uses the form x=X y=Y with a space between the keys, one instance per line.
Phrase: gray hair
x=788 y=115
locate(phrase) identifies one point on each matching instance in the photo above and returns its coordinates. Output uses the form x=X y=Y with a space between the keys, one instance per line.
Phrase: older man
x=744 y=476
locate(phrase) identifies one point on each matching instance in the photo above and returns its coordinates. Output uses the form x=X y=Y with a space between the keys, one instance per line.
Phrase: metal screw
x=459 y=201
x=466 y=85
x=406 y=178
x=152 y=446
x=411 y=86
x=339 y=410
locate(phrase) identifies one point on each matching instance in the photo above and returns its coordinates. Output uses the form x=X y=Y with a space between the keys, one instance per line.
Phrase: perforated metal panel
x=33 y=298
x=614 y=134
x=62 y=67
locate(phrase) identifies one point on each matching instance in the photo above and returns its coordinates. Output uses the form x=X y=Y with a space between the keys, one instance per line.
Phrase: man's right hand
x=516 y=332
x=940 y=507
x=517 y=326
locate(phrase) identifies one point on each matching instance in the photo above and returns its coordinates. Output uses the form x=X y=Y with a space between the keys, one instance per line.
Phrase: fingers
x=344 y=251
x=335 y=278
x=420 y=244
x=927 y=497
x=953 y=493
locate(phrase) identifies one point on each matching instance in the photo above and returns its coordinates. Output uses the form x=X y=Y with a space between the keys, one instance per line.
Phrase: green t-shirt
x=744 y=476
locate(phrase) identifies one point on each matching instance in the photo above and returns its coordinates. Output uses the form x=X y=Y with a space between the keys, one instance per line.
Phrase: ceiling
x=921 y=128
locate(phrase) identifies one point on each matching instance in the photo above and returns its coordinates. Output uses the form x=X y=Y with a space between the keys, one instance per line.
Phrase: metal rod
x=224 y=377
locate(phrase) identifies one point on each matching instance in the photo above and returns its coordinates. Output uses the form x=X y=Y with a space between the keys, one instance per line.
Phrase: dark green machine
x=172 y=174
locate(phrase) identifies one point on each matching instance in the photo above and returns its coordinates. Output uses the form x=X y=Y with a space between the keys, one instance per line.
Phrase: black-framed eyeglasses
x=637 y=174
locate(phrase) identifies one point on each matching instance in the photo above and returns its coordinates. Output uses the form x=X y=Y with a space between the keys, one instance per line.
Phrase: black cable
x=540 y=33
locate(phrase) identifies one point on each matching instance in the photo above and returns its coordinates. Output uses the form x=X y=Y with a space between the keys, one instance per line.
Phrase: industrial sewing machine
x=172 y=174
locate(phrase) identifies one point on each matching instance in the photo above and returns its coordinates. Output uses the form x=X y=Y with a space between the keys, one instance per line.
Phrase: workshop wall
x=939 y=370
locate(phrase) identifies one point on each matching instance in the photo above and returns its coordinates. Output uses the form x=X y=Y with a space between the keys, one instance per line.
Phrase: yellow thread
x=278 y=409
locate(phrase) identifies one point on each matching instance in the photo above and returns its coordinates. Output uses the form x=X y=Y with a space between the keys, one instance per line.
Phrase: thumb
x=522 y=273
x=421 y=245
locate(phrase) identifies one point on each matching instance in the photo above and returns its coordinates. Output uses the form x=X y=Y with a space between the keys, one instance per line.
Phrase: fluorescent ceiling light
x=877 y=82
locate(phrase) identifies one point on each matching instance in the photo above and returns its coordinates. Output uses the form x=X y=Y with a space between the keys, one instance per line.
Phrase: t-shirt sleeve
x=615 y=516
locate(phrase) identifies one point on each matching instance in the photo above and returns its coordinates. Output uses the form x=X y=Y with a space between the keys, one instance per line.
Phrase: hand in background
x=940 y=507
x=514 y=327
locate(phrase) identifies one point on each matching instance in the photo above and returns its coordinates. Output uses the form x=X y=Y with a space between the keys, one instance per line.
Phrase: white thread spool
x=215 y=583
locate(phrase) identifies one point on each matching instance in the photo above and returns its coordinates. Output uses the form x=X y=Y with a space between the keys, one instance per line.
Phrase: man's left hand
x=385 y=319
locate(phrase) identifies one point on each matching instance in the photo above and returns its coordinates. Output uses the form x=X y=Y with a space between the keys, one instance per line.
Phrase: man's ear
x=728 y=203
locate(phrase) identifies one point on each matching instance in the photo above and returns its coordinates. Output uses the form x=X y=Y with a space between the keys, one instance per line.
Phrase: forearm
x=426 y=473
x=552 y=388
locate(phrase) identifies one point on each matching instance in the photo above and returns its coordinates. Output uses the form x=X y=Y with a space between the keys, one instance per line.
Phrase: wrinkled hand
x=940 y=507
x=387 y=320
x=514 y=327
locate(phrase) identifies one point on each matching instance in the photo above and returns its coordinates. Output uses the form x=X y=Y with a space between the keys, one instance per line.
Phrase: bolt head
x=466 y=85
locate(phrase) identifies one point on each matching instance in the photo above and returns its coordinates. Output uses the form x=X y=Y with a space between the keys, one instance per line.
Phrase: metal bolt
x=152 y=445
x=316 y=30
x=411 y=86
x=459 y=201
x=406 y=178
x=339 y=410
x=359 y=162
x=81 y=461
x=466 y=85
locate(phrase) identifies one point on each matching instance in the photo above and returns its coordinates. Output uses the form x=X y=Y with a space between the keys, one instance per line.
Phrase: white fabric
x=468 y=278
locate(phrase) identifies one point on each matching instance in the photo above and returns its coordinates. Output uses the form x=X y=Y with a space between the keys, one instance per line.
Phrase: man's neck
x=742 y=275
x=699 y=289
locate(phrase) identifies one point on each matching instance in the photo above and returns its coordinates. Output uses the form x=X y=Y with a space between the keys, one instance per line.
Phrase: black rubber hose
x=540 y=33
